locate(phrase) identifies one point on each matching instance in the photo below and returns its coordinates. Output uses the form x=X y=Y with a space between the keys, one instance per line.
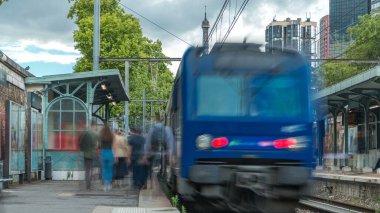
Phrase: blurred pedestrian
x=88 y=142
x=159 y=145
x=137 y=142
x=107 y=156
x=121 y=154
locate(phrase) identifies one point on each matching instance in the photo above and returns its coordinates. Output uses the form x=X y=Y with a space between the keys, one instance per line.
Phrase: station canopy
x=106 y=84
x=353 y=91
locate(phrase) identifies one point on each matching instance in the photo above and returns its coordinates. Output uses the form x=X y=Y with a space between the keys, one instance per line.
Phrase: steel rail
x=332 y=206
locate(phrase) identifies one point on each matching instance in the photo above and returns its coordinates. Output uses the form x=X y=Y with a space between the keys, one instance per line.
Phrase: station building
x=348 y=136
x=41 y=119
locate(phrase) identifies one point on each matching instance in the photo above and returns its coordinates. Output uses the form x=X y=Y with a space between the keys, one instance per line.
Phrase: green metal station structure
x=70 y=102
x=348 y=135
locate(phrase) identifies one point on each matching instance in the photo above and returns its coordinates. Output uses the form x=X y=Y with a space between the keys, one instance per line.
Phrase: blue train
x=242 y=120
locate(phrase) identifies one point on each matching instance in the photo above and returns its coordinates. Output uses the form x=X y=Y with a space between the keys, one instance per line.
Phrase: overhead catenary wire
x=231 y=24
x=213 y=28
x=157 y=25
x=244 y=4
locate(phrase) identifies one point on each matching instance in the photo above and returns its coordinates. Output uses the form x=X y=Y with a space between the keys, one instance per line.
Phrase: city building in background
x=343 y=14
x=324 y=37
x=375 y=6
x=292 y=34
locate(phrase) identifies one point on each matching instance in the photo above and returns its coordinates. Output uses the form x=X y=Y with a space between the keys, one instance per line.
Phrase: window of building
x=36 y=137
x=17 y=138
x=66 y=122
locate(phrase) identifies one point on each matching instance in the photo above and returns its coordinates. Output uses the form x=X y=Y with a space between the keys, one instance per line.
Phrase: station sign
x=36 y=101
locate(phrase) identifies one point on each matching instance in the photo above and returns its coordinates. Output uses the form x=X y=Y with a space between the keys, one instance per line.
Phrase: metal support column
x=346 y=113
x=144 y=110
x=45 y=126
x=90 y=99
x=151 y=113
x=335 y=114
x=126 y=105
x=321 y=134
x=366 y=134
x=96 y=52
x=107 y=113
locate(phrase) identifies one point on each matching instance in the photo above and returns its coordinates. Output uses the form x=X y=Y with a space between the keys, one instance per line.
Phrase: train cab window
x=271 y=100
x=220 y=96
x=259 y=96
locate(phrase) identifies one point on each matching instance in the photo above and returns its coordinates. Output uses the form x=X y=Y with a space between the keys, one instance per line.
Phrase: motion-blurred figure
x=107 y=156
x=137 y=142
x=159 y=143
x=88 y=142
x=121 y=154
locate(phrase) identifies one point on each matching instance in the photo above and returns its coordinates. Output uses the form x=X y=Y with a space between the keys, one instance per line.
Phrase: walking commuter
x=88 y=142
x=159 y=145
x=107 y=157
x=121 y=154
x=137 y=142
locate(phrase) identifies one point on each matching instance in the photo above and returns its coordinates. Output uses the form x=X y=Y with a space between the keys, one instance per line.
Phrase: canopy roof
x=110 y=78
x=362 y=86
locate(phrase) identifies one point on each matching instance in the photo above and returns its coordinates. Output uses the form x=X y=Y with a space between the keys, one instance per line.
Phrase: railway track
x=324 y=205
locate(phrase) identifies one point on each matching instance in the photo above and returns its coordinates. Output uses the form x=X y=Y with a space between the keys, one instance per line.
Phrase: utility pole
x=96 y=52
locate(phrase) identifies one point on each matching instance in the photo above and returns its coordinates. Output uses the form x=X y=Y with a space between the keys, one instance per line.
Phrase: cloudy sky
x=36 y=33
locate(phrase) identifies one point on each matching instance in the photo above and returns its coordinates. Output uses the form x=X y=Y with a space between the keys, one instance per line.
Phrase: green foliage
x=2 y=1
x=337 y=72
x=175 y=201
x=364 y=46
x=121 y=36
x=183 y=209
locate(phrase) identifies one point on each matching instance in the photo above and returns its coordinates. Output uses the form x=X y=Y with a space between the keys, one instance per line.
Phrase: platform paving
x=349 y=176
x=62 y=197
x=71 y=196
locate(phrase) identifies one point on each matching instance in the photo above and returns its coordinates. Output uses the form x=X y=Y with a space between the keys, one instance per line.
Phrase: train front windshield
x=255 y=96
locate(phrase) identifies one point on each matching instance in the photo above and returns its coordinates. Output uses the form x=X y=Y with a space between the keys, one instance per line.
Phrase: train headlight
x=203 y=141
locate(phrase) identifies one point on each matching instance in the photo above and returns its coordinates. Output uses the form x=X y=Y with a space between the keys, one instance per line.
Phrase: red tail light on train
x=285 y=143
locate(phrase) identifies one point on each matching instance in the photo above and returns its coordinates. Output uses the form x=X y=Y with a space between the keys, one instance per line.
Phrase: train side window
x=175 y=97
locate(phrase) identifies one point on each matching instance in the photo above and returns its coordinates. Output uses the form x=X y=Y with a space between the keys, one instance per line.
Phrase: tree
x=364 y=46
x=2 y=1
x=121 y=36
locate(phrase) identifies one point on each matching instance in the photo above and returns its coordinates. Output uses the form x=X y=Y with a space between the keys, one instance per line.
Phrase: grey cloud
x=178 y=17
x=42 y=20
x=46 y=20
x=183 y=16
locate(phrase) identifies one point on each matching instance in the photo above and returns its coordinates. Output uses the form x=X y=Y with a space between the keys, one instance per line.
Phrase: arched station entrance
x=70 y=103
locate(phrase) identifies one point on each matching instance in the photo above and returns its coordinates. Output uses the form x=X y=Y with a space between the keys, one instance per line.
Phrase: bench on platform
x=4 y=180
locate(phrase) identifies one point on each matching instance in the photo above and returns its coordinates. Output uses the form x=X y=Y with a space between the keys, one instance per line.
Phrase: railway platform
x=150 y=200
x=71 y=196
x=357 y=189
